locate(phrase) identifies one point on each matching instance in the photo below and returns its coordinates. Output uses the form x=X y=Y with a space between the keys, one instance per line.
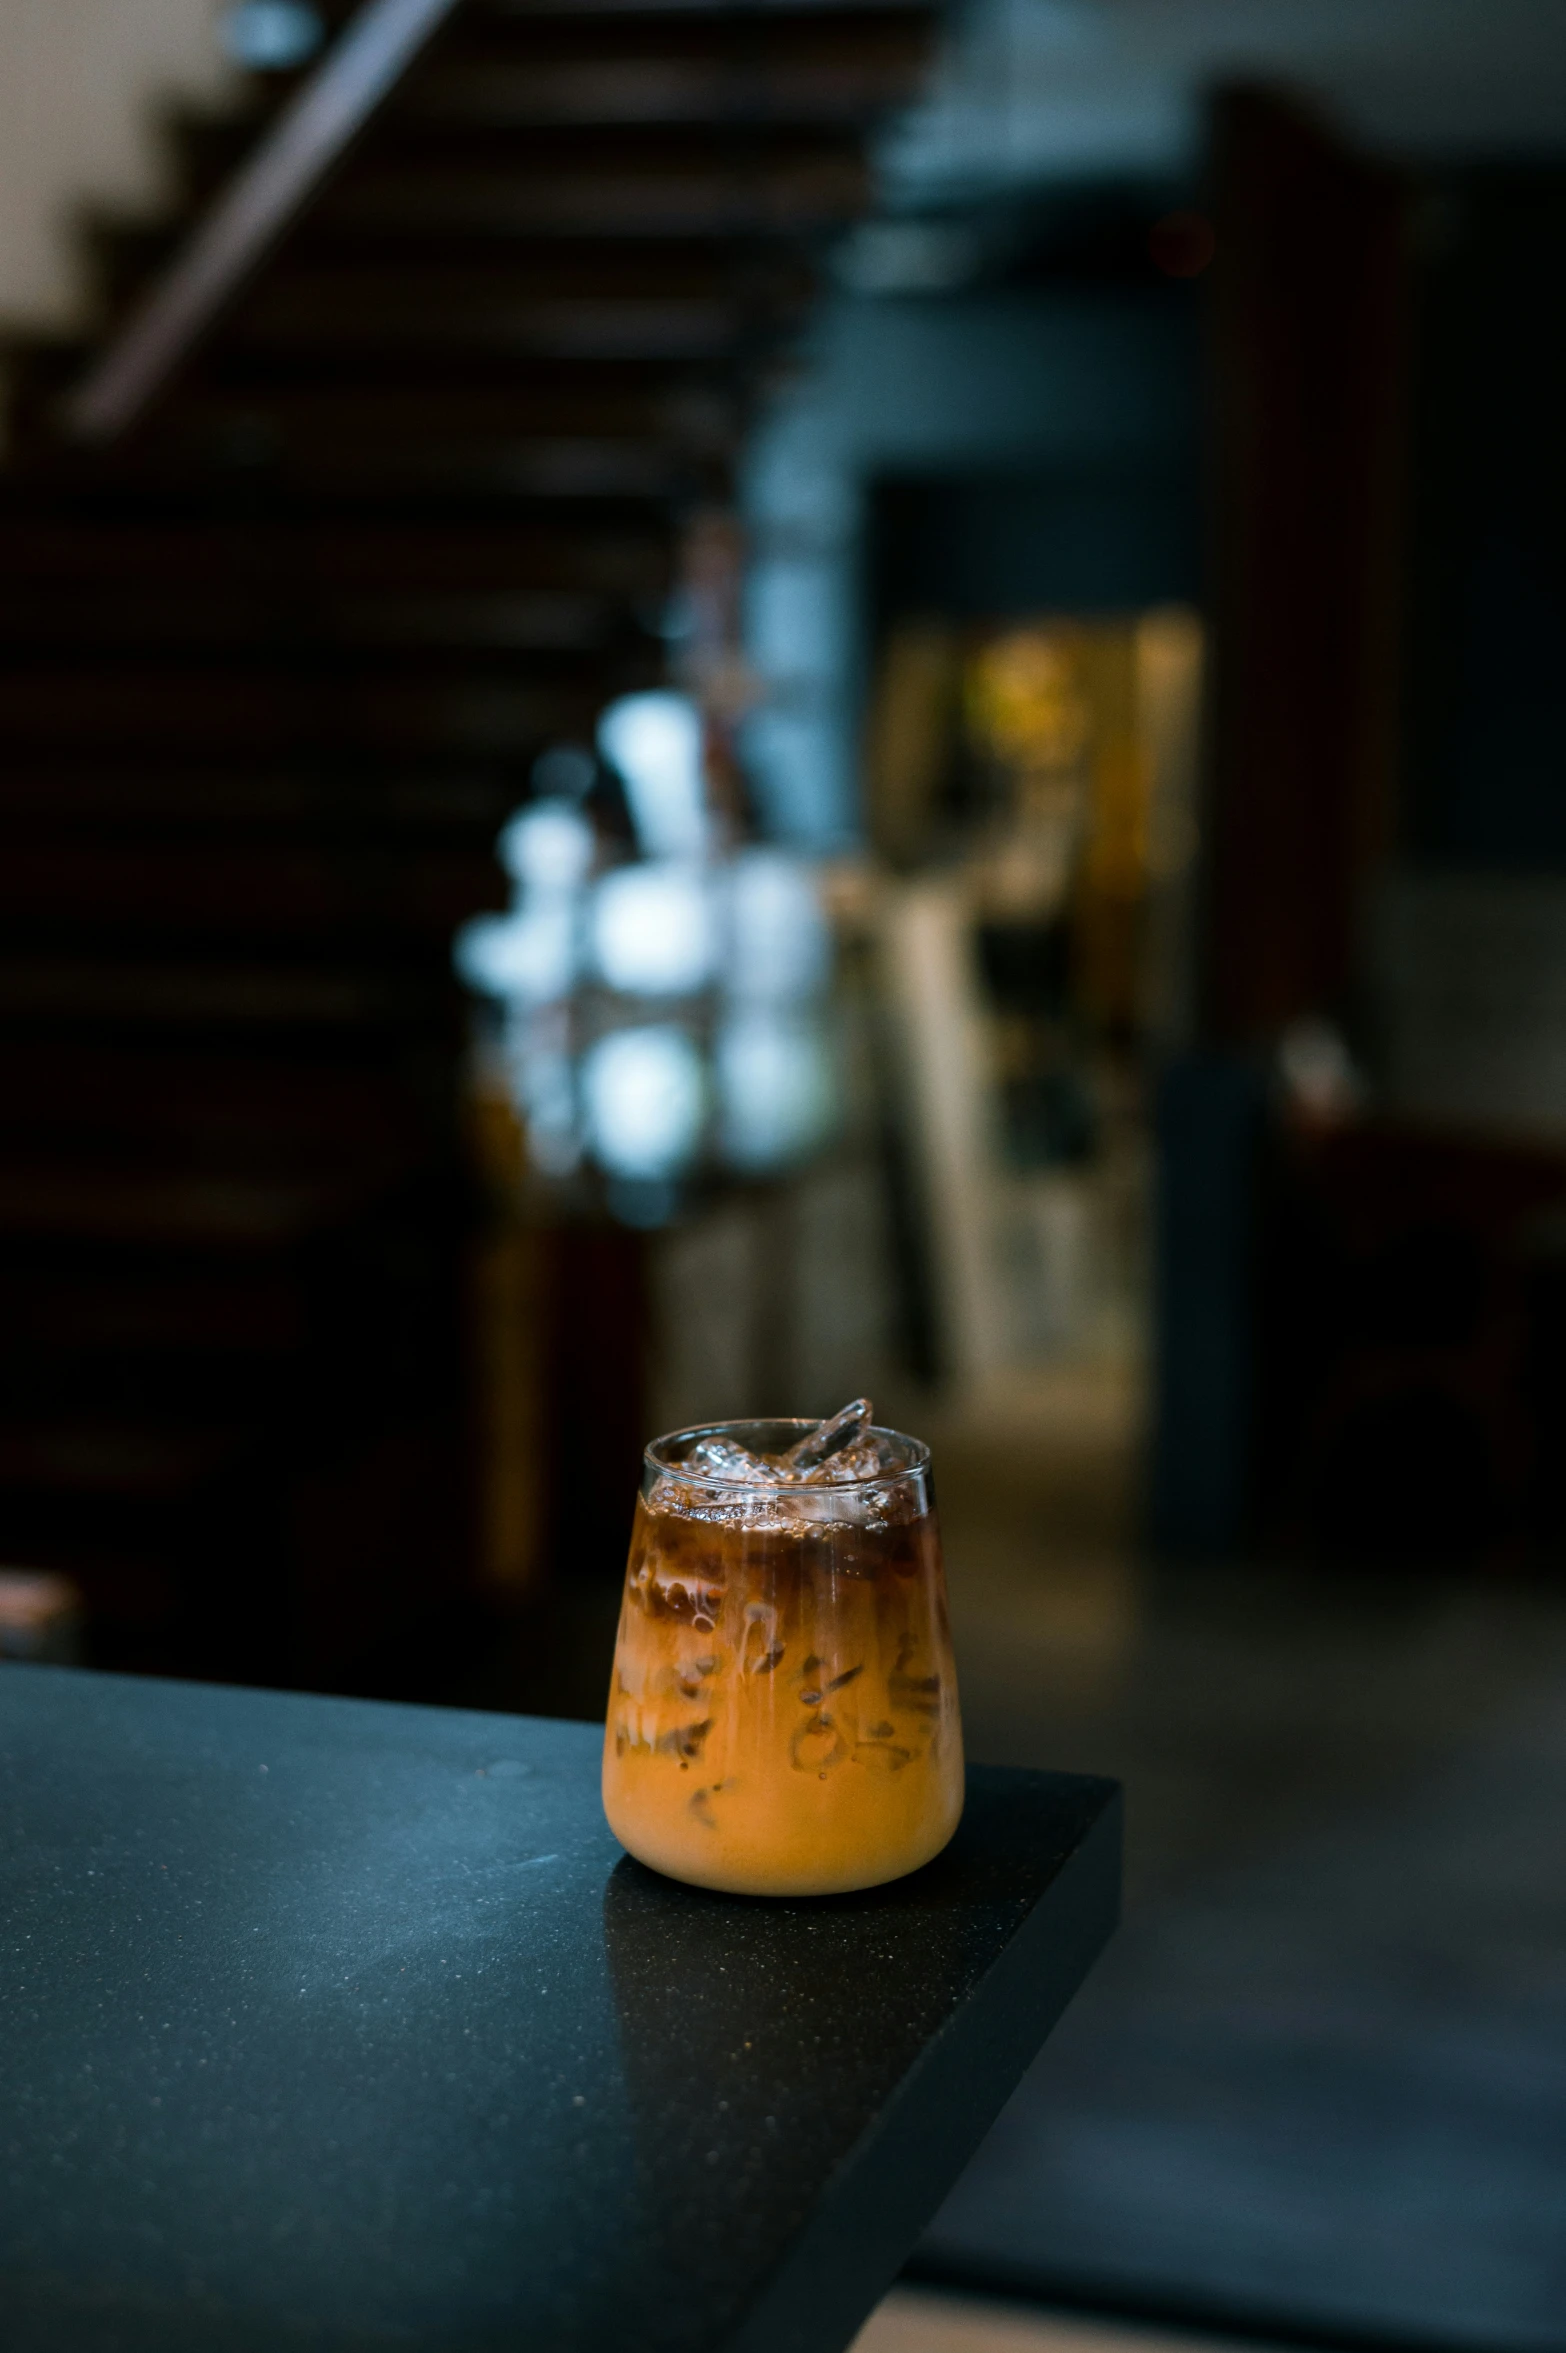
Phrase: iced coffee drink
x=783 y=1711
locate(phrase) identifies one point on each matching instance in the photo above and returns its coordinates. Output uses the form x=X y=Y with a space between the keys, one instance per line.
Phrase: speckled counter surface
x=332 y=2025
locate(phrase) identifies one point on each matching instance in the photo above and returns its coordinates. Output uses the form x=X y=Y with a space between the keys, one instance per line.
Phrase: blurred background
x=708 y=705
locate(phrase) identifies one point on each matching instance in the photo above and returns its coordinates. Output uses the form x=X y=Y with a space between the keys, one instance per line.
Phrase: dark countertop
x=334 y=2025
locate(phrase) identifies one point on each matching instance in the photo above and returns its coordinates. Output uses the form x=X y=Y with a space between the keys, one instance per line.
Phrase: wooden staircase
x=371 y=484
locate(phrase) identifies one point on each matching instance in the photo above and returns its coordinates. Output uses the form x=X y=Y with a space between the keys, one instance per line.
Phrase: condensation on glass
x=783 y=1713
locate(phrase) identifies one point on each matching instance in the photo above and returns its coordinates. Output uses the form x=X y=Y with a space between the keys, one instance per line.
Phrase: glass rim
x=654 y=1459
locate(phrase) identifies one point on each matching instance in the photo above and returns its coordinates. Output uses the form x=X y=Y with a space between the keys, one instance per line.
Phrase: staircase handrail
x=223 y=251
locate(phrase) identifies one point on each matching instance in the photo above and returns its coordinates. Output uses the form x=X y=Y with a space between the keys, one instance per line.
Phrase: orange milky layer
x=783 y=1717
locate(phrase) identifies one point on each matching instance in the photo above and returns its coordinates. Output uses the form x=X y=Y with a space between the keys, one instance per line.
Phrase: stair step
x=216 y=995
x=348 y=446
x=412 y=158
x=67 y=1202
x=679 y=96
x=298 y=709
x=236 y=891
x=521 y=469
x=586 y=486
x=331 y=804
x=582 y=442
x=722 y=12
x=511 y=273
x=246 y=1110
x=42 y=370
x=451 y=195
x=506 y=313
x=70 y=622
x=590 y=408
x=638 y=67
x=723 y=20
x=445 y=437
x=126 y=1460
x=253 y=374
x=206 y=1313
x=207 y=149
x=423 y=184
x=304 y=554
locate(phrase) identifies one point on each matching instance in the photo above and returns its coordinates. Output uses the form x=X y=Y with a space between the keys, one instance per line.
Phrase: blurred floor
x=1319 y=2082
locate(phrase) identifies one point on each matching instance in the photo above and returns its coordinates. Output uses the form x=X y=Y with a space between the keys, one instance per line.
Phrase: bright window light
x=655 y=742
x=775 y=1089
x=652 y=930
x=779 y=951
x=271 y=36
x=548 y=847
x=644 y=1094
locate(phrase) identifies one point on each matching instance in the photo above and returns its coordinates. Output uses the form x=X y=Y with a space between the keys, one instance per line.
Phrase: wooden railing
x=312 y=132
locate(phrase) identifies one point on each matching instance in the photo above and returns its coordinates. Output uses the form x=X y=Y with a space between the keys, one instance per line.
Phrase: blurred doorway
x=1032 y=793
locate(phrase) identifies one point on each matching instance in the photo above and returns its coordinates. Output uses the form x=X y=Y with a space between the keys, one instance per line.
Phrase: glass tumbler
x=783 y=1711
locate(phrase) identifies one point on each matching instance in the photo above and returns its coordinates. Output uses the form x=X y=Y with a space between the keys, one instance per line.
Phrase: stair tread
x=67 y=1200
x=120 y=1457
x=289 y=548
x=76 y=621
x=188 y=993
x=199 y=1312
x=673 y=328
x=241 y=803
x=234 y=890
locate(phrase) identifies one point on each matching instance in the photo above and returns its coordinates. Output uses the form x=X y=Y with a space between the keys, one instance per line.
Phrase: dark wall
x=1308 y=378
x=1088 y=539
x=1486 y=757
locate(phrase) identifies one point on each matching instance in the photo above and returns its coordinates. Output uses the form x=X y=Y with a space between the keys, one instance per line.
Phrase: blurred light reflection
x=652 y=930
x=660 y=1016
x=654 y=741
x=779 y=949
x=644 y=1095
x=775 y=1089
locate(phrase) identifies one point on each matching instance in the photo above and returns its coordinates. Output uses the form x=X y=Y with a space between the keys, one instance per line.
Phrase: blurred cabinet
x=1362 y=1334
